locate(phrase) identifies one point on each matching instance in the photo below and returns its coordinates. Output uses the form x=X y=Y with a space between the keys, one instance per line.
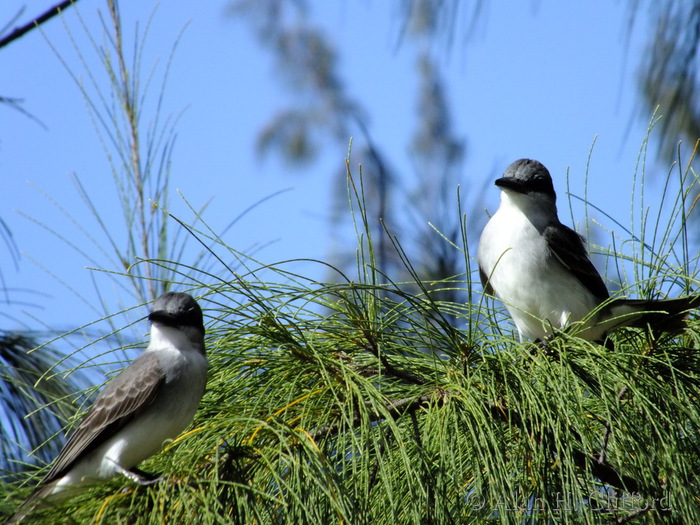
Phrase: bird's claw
x=544 y=346
x=139 y=476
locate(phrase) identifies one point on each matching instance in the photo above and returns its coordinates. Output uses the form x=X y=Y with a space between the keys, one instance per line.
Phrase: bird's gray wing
x=133 y=390
x=569 y=249
x=485 y=283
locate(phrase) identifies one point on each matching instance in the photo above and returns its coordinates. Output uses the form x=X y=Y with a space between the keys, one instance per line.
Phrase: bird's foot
x=144 y=478
x=543 y=346
x=139 y=476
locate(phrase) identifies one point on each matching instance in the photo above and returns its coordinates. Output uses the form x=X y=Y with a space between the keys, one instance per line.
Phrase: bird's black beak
x=163 y=317
x=509 y=183
x=186 y=318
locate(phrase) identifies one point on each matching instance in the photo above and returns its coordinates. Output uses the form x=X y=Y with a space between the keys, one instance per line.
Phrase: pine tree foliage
x=359 y=402
x=36 y=398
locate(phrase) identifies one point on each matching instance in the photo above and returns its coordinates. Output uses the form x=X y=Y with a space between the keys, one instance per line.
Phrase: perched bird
x=149 y=402
x=539 y=268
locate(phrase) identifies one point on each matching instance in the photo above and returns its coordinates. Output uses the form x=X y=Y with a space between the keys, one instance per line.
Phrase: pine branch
x=601 y=469
x=373 y=347
x=46 y=16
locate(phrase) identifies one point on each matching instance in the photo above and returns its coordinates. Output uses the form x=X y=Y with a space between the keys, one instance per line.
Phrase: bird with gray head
x=149 y=402
x=541 y=271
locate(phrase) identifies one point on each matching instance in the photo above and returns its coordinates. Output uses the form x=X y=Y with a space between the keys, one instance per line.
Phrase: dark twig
x=373 y=348
x=608 y=428
x=16 y=103
x=605 y=473
x=47 y=15
x=600 y=469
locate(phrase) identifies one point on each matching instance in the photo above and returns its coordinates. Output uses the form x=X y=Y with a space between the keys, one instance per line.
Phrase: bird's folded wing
x=569 y=249
x=124 y=397
x=485 y=283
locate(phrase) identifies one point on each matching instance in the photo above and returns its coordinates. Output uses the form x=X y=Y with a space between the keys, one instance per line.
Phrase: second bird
x=149 y=402
x=541 y=271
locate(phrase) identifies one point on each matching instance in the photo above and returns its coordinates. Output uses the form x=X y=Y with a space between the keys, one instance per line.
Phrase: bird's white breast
x=537 y=290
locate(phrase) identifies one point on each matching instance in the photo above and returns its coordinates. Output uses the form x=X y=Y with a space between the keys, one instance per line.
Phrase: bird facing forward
x=541 y=271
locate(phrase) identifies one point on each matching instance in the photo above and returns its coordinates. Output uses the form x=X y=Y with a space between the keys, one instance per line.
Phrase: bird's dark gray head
x=527 y=176
x=177 y=309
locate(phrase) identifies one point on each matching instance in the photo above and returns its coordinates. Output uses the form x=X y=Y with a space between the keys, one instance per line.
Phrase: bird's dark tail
x=663 y=315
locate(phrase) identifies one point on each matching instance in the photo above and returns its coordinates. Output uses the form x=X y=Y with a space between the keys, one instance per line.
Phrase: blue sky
x=536 y=79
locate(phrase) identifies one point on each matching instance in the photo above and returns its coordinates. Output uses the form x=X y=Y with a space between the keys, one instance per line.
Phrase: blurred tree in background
x=417 y=207
x=668 y=76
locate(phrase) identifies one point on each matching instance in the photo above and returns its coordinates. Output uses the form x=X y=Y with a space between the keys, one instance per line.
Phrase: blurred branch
x=16 y=103
x=46 y=16
x=668 y=72
x=36 y=397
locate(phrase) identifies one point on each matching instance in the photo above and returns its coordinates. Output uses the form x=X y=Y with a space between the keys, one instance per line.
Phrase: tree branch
x=598 y=467
x=47 y=15
x=373 y=348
